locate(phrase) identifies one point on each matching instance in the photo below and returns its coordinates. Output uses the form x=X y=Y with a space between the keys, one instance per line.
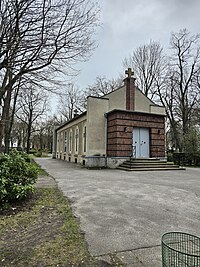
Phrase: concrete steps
x=148 y=165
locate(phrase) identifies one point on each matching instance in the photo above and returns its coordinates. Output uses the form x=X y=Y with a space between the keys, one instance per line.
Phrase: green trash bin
x=180 y=250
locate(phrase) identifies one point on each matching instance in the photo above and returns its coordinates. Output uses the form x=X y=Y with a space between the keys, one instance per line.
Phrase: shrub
x=17 y=176
x=38 y=153
x=32 y=151
x=191 y=146
x=170 y=156
x=179 y=158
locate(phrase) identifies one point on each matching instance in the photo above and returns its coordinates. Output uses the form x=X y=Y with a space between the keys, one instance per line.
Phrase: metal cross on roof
x=129 y=72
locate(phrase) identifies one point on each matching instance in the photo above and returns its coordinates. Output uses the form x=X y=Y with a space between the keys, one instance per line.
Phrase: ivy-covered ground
x=42 y=231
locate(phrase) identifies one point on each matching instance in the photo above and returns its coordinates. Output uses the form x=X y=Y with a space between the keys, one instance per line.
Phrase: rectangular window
x=58 y=144
x=84 y=139
x=65 y=144
x=70 y=141
x=61 y=143
x=76 y=140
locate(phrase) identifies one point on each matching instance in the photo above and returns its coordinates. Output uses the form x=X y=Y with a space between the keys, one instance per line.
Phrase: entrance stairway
x=148 y=165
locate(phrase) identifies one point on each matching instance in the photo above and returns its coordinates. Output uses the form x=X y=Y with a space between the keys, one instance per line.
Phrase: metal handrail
x=133 y=154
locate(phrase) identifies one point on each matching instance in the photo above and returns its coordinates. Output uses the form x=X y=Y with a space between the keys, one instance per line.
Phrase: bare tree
x=185 y=63
x=42 y=138
x=31 y=106
x=167 y=95
x=148 y=62
x=18 y=134
x=71 y=101
x=180 y=93
x=39 y=38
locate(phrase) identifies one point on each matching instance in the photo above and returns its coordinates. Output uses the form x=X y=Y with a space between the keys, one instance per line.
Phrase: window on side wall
x=70 y=141
x=84 y=139
x=76 y=139
x=65 y=142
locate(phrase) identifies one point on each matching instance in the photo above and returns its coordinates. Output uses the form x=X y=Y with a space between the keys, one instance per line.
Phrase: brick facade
x=130 y=93
x=120 y=126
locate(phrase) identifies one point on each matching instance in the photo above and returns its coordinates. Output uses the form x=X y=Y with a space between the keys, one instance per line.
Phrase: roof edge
x=73 y=119
x=134 y=112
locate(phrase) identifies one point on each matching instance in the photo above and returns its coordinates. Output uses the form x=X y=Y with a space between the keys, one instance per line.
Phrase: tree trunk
x=28 y=143
x=29 y=131
x=6 y=123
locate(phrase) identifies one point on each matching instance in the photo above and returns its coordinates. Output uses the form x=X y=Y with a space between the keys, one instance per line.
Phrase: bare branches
x=32 y=105
x=36 y=34
x=185 y=65
x=180 y=92
x=42 y=36
x=103 y=86
x=148 y=63
x=71 y=101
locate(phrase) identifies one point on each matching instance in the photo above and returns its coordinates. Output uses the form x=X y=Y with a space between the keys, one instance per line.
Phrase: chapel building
x=122 y=124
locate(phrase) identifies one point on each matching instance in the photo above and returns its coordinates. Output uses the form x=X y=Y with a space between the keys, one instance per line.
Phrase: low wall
x=104 y=162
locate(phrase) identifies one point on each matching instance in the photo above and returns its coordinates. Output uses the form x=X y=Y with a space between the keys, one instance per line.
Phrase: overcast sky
x=127 y=24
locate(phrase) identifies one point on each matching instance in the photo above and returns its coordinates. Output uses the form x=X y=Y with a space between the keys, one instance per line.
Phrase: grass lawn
x=42 y=231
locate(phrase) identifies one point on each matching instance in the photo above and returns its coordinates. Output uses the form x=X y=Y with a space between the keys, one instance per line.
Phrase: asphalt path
x=127 y=212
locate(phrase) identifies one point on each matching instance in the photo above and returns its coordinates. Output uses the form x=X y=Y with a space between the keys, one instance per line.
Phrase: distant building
x=118 y=125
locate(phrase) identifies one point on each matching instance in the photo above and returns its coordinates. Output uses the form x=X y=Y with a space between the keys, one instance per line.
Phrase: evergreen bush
x=38 y=153
x=17 y=176
x=191 y=146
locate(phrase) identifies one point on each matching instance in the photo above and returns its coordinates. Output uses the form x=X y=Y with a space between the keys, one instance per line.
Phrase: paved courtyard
x=127 y=212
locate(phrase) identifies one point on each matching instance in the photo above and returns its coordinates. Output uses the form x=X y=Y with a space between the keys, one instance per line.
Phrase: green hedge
x=186 y=159
x=17 y=176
